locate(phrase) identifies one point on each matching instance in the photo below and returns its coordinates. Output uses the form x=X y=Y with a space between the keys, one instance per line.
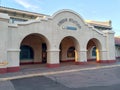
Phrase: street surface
x=90 y=78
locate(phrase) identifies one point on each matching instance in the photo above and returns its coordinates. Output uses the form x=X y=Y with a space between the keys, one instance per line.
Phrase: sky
x=98 y=10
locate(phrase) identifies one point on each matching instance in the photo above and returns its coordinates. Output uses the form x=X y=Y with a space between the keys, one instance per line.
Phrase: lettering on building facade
x=69 y=20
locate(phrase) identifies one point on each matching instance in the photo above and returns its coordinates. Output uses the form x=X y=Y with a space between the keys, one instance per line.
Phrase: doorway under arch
x=93 y=50
x=69 y=48
x=33 y=49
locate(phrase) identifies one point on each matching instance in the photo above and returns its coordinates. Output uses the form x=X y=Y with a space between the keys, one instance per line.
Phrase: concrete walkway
x=66 y=77
x=38 y=70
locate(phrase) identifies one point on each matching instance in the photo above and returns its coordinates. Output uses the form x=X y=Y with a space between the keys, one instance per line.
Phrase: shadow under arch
x=69 y=48
x=94 y=44
x=39 y=43
x=70 y=11
x=39 y=35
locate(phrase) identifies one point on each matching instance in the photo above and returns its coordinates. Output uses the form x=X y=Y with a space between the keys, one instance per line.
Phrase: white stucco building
x=62 y=37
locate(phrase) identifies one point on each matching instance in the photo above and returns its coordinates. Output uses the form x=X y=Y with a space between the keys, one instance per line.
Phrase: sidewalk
x=37 y=70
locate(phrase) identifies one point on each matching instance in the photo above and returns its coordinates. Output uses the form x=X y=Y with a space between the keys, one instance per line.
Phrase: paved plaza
x=93 y=76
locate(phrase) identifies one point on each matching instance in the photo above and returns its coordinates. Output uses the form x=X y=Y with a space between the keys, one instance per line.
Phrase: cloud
x=28 y=4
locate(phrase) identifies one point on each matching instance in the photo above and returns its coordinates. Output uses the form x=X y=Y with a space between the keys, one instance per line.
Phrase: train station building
x=32 y=38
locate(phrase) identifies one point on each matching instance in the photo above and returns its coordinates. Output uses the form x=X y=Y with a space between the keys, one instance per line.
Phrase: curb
x=58 y=72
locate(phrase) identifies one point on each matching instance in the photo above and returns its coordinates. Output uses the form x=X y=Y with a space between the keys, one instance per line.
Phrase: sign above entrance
x=69 y=20
x=70 y=28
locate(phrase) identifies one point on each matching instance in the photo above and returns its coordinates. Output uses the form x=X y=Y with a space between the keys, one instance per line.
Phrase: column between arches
x=82 y=59
x=53 y=58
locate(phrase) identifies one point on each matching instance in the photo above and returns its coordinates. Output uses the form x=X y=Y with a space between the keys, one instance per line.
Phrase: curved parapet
x=68 y=11
x=68 y=16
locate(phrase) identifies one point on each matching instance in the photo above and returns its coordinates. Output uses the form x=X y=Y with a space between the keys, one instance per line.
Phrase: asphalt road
x=37 y=83
x=96 y=79
x=44 y=83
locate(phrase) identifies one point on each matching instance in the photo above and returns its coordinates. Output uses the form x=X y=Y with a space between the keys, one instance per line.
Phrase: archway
x=93 y=50
x=117 y=49
x=69 y=48
x=33 y=49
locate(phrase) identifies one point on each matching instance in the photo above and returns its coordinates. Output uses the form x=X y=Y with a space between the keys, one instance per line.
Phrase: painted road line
x=58 y=72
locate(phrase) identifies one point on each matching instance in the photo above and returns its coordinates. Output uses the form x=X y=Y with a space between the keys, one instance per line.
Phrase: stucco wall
x=53 y=30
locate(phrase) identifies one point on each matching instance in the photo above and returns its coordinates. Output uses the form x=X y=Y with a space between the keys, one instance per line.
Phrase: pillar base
x=3 y=70
x=53 y=65
x=107 y=61
x=9 y=69
x=81 y=63
x=13 y=69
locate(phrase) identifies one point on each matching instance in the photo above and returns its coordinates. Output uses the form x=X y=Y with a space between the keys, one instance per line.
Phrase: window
x=26 y=52
x=71 y=52
x=94 y=51
x=14 y=20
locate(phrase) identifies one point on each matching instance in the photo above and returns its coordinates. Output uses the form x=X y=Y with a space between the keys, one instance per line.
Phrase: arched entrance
x=93 y=50
x=33 y=49
x=117 y=49
x=69 y=48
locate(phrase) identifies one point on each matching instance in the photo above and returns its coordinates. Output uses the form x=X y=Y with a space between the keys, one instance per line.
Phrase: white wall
x=53 y=34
